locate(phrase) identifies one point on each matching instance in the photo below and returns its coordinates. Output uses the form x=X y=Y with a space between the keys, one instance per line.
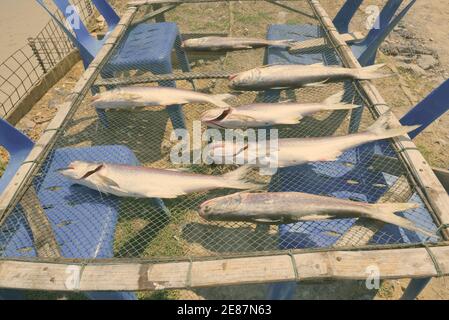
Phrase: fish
x=143 y=182
x=297 y=151
x=231 y=43
x=131 y=97
x=291 y=207
x=268 y=114
x=279 y=76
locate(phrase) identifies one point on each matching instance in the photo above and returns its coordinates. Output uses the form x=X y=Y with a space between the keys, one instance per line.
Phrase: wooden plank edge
x=435 y=193
x=310 y=266
x=138 y=3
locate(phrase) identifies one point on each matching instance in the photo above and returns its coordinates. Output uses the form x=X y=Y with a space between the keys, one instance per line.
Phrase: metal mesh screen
x=171 y=229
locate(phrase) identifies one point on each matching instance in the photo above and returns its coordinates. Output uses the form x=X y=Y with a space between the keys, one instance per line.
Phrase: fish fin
x=342 y=106
x=314 y=217
x=131 y=96
x=242 y=47
x=235 y=179
x=165 y=194
x=108 y=181
x=179 y=169
x=385 y=212
x=270 y=65
x=335 y=98
x=370 y=73
x=334 y=102
x=286 y=101
x=382 y=130
x=290 y=120
x=316 y=84
x=219 y=99
x=268 y=221
x=245 y=118
x=280 y=88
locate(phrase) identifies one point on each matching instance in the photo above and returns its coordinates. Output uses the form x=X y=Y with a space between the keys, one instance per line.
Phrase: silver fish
x=129 y=97
x=268 y=114
x=142 y=182
x=231 y=43
x=290 y=207
x=295 y=76
x=296 y=151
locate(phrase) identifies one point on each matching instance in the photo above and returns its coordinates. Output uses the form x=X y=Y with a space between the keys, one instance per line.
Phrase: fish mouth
x=233 y=76
x=214 y=120
x=96 y=97
x=222 y=115
x=89 y=173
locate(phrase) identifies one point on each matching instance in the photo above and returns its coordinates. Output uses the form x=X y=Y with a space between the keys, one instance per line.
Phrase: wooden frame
x=333 y=265
x=121 y=275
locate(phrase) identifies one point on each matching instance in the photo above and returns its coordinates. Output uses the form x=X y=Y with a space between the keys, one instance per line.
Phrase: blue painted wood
x=345 y=15
x=18 y=146
x=415 y=287
x=111 y=17
x=366 y=50
x=428 y=110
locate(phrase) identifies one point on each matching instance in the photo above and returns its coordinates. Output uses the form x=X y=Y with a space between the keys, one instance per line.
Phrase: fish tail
x=335 y=102
x=219 y=100
x=385 y=212
x=371 y=72
x=236 y=179
x=382 y=130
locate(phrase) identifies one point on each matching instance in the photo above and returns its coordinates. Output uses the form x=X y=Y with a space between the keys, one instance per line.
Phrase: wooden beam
x=138 y=3
x=44 y=239
x=435 y=193
x=163 y=77
x=334 y=265
x=155 y=14
x=321 y=43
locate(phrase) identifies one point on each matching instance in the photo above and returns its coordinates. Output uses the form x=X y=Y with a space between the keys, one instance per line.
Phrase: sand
x=19 y=19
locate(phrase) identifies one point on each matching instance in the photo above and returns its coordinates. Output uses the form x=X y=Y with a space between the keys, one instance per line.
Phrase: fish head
x=246 y=79
x=222 y=208
x=80 y=170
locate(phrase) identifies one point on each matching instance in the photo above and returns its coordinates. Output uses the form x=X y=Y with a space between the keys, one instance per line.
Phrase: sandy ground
x=424 y=22
x=429 y=21
x=19 y=19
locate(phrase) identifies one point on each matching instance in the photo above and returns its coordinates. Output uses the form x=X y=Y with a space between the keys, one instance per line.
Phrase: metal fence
x=24 y=68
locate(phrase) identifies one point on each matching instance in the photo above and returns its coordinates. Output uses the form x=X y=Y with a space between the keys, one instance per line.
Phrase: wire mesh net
x=87 y=224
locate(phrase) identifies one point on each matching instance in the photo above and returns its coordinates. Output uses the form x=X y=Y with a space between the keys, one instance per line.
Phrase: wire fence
x=25 y=68
x=86 y=224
